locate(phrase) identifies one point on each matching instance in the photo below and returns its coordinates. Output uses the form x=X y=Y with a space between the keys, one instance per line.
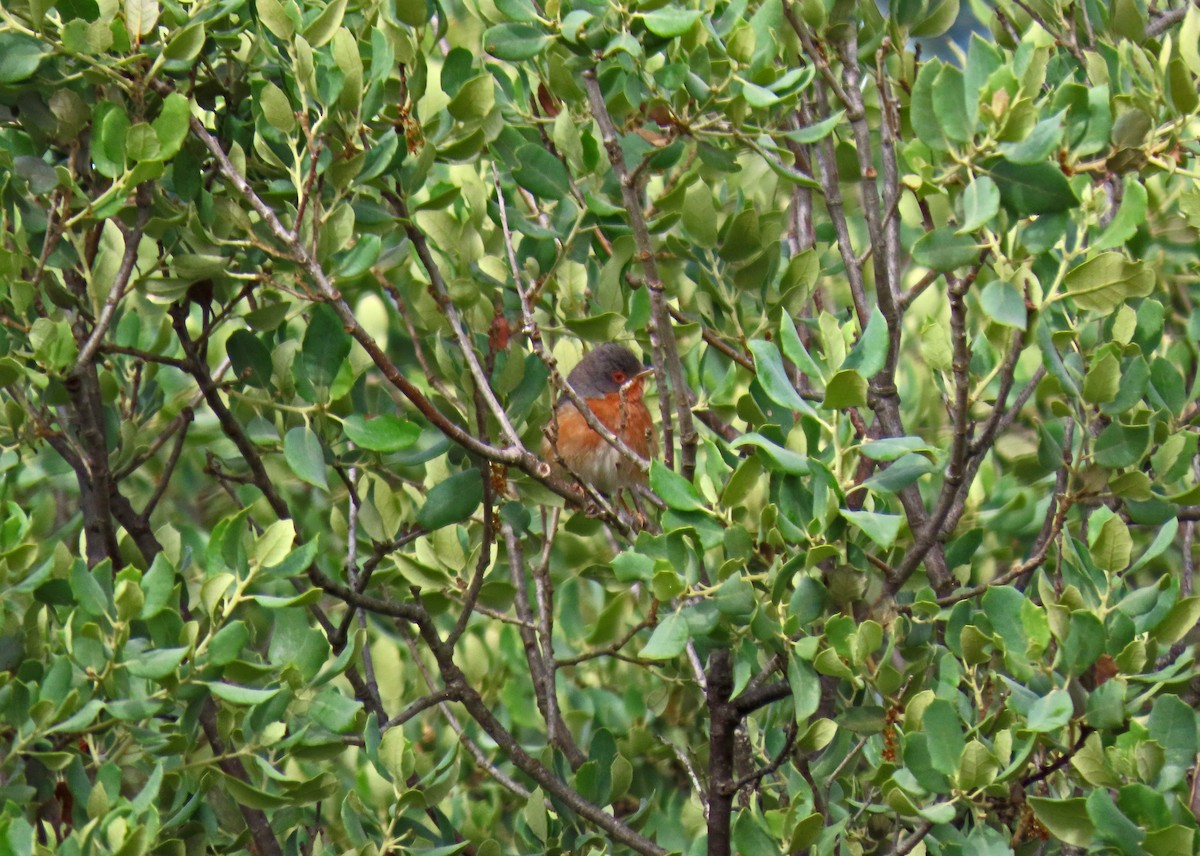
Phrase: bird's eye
x=618 y=377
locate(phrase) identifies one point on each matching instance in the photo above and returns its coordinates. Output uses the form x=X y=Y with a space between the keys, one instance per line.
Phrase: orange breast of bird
x=589 y=456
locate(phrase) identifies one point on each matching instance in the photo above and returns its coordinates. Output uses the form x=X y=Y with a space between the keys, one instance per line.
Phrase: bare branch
x=539 y=655
x=662 y=334
x=1166 y=20
x=120 y=283
x=909 y=844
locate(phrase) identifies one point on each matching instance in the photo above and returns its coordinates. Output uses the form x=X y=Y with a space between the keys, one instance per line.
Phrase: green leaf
x=1038 y=145
x=235 y=694
x=880 y=528
x=303 y=452
x=784 y=460
x=1176 y=840
x=274 y=543
x=515 y=42
x=1189 y=40
x=452 y=501
x=1129 y=216
x=924 y=118
x=227 y=643
x=806 y=687
x=304 y=598
x=1163 y=539
x=1084 y=643
x=1113 y=547
x=275 y=19
x=750 y=836
x=891 y=448
x=1121 y=445
x=172 y=124
x=1112 y=826
x=817 y=131
x=631 y=567
x=1103 y=380
x=1032 y=189
x=185 y=45
x=276 y=108
x=794 y=350
x=1104 y=282
x=1051 y=712
x=980 y=204
x=474 y=100
x=846 y=389
x=940 y=19
x=323 y=27
x=945 y=250
x=140 y=16
x=380 y=434
x=250 y=359
x=668 y=640
x=768 y=365
x=141 y=143
x=156 y=664
x=906 y=470
x=977 y=768
x=1067 y=819
x=541 y=173
x=360 y=258
x=946 y=739
x=870 y=351
x=949 y=105
x=1179 y=621
x=20 y=57
x=1172 y=724
x=758 y=96
x=1004 y=304
x=415 y=13
x=673 y=489
x=518 y=10
x=334 y=711
x=671 y=20
x=326 y=346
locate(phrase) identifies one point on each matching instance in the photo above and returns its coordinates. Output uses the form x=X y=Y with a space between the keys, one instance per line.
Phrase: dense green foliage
x=285 y=291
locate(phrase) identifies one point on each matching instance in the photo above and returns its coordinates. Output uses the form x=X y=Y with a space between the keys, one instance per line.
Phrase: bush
x=290 y=288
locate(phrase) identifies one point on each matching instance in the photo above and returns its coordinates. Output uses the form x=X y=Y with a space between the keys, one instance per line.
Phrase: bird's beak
x=639 y=377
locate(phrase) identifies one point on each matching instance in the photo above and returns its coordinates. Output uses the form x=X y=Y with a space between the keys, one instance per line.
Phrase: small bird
x=610 y=380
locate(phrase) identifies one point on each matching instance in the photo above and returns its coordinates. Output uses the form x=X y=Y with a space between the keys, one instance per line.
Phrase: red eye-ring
x=618 y=377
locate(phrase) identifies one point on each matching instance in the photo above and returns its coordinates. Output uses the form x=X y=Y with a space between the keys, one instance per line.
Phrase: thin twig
x=133 y=237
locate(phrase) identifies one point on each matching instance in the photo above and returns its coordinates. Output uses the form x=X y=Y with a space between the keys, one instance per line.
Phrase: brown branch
x=722 y=724
x=752 y=699
x=758 y=775
x=1166 y=20
x=909 y=844
x=539 y=655
x=418 y=706
x=169 y=468
x=442 y=293
x=1061 y=761
x=180 y=422
x=120 y=284
x=514 y=455
x=1055 y=517
x=537 y=343
x=715 y=341
x=954 y=482
x=662 y=334
x=481 y=712
x=614 y=648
